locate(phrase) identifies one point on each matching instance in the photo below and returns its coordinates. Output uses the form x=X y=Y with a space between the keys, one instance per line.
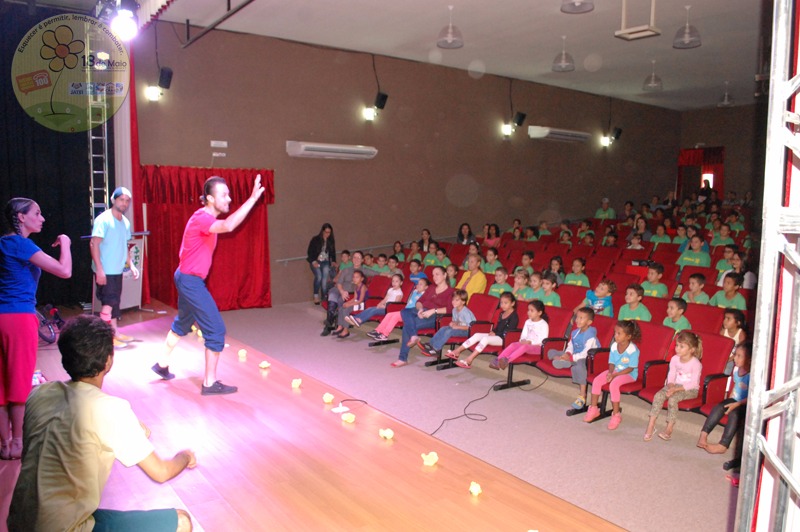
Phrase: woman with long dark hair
x=21 y=265
x=321 y=258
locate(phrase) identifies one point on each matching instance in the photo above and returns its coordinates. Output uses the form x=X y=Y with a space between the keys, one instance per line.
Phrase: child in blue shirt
x=623 y=367
x=582 y=338
x=458 y=328
x=599 y=299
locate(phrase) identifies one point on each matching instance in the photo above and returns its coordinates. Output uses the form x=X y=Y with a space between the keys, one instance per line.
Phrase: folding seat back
x=483 y=306
x=571 y=296
x=558 y=248
x=622 y=280
x=709 y=273
x=605 y=252
x=665 y=256
x=665 y=247
x=657 y=307
x=629 y=255
x=704 y=318
x=377 y=286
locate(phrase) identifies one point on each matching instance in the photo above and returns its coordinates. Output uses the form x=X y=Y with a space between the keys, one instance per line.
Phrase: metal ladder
x=770 y=472
x=98 y=156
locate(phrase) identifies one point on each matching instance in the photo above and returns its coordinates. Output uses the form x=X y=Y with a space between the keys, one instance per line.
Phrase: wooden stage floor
x=272 y=457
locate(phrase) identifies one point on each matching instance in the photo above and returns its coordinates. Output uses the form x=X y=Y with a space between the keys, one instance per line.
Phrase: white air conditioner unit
x=563 y=135
x=318 y=150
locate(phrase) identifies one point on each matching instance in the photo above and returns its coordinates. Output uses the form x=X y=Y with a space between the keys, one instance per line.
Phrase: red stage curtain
x=240 y=274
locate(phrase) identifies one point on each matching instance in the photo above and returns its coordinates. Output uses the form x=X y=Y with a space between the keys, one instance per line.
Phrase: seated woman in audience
x=425 y=241
x=556 y=268
x=397 y=251
x=458 y=327
x=640 y=228
x=393 y=295
x=491 y=238
x=535 y=330
x=437 y=299
x=465 y=235
x=507 y=321
x=516 y=234
x=739 y=265
x=473 y=281
x=391 y=319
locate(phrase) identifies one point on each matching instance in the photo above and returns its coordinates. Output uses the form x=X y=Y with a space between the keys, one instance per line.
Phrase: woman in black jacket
x=321 y=258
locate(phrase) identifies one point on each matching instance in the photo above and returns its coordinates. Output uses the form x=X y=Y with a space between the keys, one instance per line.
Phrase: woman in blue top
x=21 y=265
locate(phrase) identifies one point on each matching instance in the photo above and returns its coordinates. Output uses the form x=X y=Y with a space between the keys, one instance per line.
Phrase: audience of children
x=599 y=299
x=733 y=328
x=675 y=318
x=729 y=296
x=653 y=287
x=393 y=295
x=683 y=382
x=577 y=276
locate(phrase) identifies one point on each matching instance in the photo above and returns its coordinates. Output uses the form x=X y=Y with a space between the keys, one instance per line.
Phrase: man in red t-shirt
x=195 y=303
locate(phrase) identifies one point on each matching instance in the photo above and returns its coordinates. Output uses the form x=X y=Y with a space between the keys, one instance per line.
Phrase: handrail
x=370 y=248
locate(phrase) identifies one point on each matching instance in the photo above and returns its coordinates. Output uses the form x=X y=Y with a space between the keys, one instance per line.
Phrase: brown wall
x=441 y=158
x=742 y=130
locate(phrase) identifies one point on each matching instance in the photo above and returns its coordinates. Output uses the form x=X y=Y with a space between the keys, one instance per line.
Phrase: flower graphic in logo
x=60 y=49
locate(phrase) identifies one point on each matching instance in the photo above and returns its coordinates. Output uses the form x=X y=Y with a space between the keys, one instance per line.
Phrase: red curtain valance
x=240 y=274
x=701 y=156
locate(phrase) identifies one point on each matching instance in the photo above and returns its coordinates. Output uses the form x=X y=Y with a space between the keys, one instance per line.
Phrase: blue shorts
x=135 y=521
x=195 y=304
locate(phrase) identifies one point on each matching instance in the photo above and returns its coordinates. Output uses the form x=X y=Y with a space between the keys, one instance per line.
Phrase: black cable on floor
x=546 y=377
x=468 y=415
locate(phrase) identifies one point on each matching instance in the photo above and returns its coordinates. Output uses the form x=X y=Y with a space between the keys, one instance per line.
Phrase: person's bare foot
x=412 y=341
x=715 y=448
x=399 y=363
x=702 y=441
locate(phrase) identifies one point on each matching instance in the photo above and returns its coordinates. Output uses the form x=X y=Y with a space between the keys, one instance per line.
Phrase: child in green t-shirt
x=633 y=309
x=675 y=318
x=549 y=284
x=521 y=291
x=577 y=277
x=695 y=293
x=536 y=285
x=653 y=287
x=729 y=296
x=500 y=283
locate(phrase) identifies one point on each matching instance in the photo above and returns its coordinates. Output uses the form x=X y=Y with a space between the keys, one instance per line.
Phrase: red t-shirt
x=197 y=246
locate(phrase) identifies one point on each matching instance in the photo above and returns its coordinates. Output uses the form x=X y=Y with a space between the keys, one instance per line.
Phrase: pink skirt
x=19 y=342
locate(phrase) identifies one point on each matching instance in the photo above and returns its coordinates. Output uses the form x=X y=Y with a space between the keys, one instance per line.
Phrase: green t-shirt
x=543 y=232
x=608 y=214
x=701 y=299
x=663 y=239
x=654 y=290
x=453 y=281
x=723 y=265
x=529 y=269
x=639 y=313
x=720 y=241
x=538 y=294
x=681 y=325
x=497 y=290
x=694 y=258
x=578 y=279
x=678 y=239
x=415 y=256
x=401 y=257
x=381 y=269
x=737 y=226
x=524 y=294
x=431 y=260
x=488 y=267
x=532 y=238
x=343 y=265
x=553 y=300
x=719 y=300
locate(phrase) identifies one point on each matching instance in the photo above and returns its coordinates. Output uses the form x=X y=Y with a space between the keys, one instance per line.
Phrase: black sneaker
x=373 y=334
x=218 y=389
x=325 y=332
x=163 y=372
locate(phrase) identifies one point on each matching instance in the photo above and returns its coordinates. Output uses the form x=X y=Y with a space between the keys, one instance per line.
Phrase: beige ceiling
x=520 y=39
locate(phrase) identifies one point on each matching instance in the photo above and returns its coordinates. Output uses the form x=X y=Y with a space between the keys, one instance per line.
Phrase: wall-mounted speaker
x=165 y=77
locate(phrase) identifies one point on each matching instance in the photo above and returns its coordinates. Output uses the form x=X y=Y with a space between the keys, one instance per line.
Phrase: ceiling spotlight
x=506 y=130
x=687 y=36
x=577 y=7
x=727 y=99
x=519 y=118
x=450 y=37
x=652 y=83
x=563 y=61
x=124 y=24
x=605 y=141
x=369 y=113
x=152 y=93
x=380 y=100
